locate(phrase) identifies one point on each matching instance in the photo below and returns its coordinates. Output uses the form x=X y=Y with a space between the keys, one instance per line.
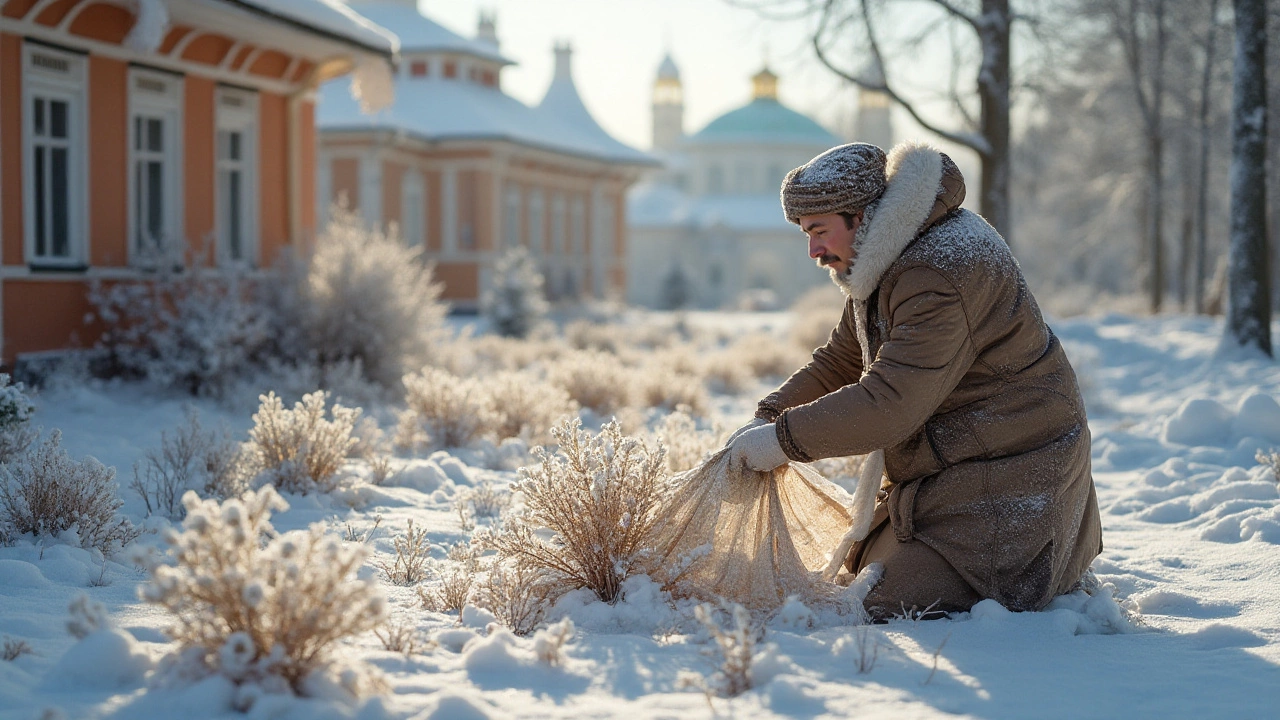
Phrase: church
x=707 y=230
x=462 y=169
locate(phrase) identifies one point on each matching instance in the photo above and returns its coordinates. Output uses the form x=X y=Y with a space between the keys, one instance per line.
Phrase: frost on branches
x=598 y=495
x=16 y=433
x=265 y=617
x=299 y=450
x=515 y=301
x=48 y=493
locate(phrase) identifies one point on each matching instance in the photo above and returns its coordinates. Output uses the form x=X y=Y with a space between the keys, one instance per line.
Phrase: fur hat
x=843 y=179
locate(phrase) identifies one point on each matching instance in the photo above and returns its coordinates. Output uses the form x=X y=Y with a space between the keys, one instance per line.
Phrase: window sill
x=58 y=269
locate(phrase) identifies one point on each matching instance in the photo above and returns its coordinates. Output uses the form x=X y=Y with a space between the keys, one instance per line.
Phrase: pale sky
x=619 y=43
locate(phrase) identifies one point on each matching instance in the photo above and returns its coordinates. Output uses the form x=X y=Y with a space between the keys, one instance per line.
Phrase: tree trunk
x=993 y=93
x=1202 y=203
x=1186 y=235
x=1249 y=293
x=1155 y=216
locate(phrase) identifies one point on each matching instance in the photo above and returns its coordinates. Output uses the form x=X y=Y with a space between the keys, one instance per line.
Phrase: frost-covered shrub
x=549 y=642
x=725 y=374
x=442 y=410
x=518 y=594
x=736 y=638
x=399 y=636
x=195 y=329
x=658 y=387
x=598 y=497
x=13 y=648
x=299 y=450
x=816 y=313
x=264 y=615
x=525 y=406
x=192 y=458
x=594 y=380
x=1270 y=459
x=370 y=298
x=16 y=409
x=86 y=616
x=452 y=581
x=409 y=566
x=515 y=301
x=45 y=492
x=763 y=355
x=583 y=334
x=686 y=445
x=485 y=500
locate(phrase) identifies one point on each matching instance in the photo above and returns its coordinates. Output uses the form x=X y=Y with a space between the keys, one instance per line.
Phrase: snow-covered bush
x=85 y=616
x=815 y=314
x=13 y=648
x=196 y=329
x=515 y=301
x=192 y=458
x=1270 y=459
x=725 y=374
x=45 y=492
x=764 y=355
x=598 y=497
x=453 y=579
x=409 y=566
x=485 y=500
x=549 y=642
x=686 y=445
x=736 y=638
x=583 y=334
x=518 y=594
x=442 y=410
x=594 y=379
x=299 y=450
x=16 y=433
x=371 y=298
x=659 y=387
x=525 y=406
x=264 y=615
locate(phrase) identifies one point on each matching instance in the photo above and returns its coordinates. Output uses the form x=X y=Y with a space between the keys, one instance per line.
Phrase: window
x=418 y=68
x=511 y=218
x=236 y=148
x=412 y=208
x=715 y=180
x=578 y=226
x=557 y=224
x=54 y=145
x=155 y=177
x=537 y=236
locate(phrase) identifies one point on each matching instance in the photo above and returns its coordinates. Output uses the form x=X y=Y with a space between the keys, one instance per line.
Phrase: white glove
x=758 y=449
x=755 y=423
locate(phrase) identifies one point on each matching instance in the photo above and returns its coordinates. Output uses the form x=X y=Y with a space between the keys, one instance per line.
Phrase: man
x=943 y=369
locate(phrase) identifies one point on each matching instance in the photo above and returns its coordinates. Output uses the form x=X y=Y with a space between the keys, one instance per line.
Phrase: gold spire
x=764 y=85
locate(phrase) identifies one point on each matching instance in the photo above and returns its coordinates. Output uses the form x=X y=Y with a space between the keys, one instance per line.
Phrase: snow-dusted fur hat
x=843 y=179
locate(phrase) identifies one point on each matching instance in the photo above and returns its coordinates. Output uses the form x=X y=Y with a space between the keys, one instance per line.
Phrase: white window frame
x=56 y=75
x=413 y=208
x=156 y=95
x=236 y=110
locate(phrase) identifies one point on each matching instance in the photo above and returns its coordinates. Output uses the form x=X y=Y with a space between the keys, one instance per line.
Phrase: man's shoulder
x=959 y=245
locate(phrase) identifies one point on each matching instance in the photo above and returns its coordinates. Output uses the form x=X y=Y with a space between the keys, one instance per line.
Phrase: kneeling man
x=944 y=373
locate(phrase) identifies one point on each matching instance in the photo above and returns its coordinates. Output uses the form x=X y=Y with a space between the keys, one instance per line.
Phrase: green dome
x=765 y=120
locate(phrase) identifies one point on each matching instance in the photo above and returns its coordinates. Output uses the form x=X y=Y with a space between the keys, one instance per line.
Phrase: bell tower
x=668 y=106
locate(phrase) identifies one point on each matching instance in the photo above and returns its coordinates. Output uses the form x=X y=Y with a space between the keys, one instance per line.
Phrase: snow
x=1187 y=623
x=149 y=29
x=421 y=34
x=656 y=204
x=335 y=17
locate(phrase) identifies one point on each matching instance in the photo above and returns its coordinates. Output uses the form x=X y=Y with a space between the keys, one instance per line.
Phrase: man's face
x=831 y=239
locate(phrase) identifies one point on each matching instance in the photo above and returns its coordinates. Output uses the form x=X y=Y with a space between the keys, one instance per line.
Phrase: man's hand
x=758 y=449
x=755 y=423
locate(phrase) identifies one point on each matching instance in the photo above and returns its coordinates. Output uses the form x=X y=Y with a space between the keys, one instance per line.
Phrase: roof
x=327 y=17
x=764 y=120
x=436 y=109
x=422 y=34
x=563 y=103
x=655 y=204
x=668 y=70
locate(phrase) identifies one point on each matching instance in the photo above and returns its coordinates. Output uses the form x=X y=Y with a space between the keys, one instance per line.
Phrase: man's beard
x=842 y=279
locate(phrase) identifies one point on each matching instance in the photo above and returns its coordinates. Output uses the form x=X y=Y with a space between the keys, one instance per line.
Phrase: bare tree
x=1249 y=294
x=1202 y=198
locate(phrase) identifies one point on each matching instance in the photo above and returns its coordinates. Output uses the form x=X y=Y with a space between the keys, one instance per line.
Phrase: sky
x=618 y=45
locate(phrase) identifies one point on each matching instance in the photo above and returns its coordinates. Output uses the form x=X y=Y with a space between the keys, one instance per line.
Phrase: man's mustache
x=827 y=258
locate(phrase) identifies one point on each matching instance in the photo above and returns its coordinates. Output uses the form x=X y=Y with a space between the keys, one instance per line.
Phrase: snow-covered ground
x=1191 y=528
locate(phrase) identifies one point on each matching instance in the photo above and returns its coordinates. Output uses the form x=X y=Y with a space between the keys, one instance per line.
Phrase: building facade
x=465 y=171
x=133 y=133
x=707 y=230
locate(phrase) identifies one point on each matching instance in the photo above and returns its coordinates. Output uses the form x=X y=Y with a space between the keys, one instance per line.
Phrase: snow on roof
x=418 y=33
x=330 y=17
x=563 y=103
x=660 y=205
x=764 y=120
x=442 y=109
x=668 y=70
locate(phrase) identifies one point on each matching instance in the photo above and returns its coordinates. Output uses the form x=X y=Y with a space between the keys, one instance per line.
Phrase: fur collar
x=914 y=174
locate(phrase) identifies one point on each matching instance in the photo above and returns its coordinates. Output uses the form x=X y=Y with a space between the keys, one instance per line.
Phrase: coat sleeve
x=928 y=350
x=834 y=365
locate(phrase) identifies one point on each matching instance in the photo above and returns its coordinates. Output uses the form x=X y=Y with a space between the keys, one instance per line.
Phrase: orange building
x=465 y=170
x=138 y=129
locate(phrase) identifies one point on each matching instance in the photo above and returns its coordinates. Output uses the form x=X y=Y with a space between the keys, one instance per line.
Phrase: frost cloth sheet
x=751 y=537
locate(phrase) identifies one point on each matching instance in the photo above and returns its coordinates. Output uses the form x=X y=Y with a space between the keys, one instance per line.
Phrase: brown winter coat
x=969 y=393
